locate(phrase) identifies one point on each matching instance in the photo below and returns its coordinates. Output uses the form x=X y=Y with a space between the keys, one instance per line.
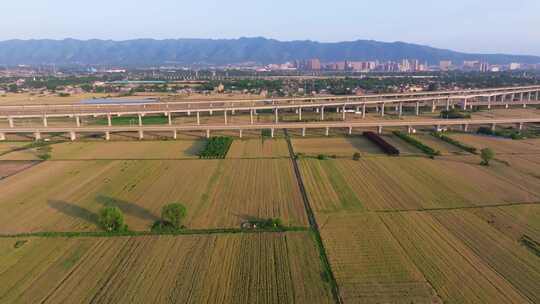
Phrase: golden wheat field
x=439 y=145
x=6 y=147
x=339 y=146
x=412 y=184
x=456 y=272
x=66 y=195
x=8 y=168
x=233 y=268
x=369 y=264
x=514 y=262
x=127 y=150
x=500 y=145
x=259 y=148
x=513 y=222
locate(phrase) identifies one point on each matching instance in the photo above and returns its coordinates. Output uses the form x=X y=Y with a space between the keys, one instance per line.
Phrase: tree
x=174 y=214
x=112 y=219
x=487 y=155
x=356 y=156
x=12 y=88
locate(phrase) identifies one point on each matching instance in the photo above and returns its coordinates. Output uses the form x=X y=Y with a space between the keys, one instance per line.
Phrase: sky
x=482 y=26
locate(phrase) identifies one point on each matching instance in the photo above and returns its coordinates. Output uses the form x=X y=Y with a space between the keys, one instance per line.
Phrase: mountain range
x=142 y=52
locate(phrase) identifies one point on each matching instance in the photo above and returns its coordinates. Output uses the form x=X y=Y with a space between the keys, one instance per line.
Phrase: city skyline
x=502 y=27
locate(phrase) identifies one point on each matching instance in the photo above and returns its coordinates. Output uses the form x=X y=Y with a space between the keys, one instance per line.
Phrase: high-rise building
x=515 y=66
x=313 y=64
x=445 y=65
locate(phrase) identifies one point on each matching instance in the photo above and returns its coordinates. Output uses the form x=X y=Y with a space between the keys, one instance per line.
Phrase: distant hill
x=225 y=51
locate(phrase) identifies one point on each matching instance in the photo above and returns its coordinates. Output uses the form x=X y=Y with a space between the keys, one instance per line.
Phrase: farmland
x=258 y=148
x=456 y=272
x=339 y=146
x=65 y=195
x=412 y=184
x=126 y=150
x=250 y=268
x=406 y=229
x=369 y=264
x=8 y=168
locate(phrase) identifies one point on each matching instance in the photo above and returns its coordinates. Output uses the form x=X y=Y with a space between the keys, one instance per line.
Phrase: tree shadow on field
x=127 y=207
x=73 y=210
x=195 y=148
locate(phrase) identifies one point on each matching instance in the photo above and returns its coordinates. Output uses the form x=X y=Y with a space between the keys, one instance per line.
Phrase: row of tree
x=111 y=219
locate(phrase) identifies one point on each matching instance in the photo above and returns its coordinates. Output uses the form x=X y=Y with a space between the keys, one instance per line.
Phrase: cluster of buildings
x=404 y=66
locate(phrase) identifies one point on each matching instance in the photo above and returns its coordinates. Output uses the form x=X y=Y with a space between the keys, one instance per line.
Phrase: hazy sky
x=511 y=26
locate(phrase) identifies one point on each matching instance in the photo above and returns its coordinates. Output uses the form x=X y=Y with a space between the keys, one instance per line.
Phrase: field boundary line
x=101 y=234
x=313 y=223
x=456 y=208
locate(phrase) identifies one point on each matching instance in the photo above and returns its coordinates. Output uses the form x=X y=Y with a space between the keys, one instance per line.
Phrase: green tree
x=111 y=219
x=174 y=214
x=487 y=155
x=356 y=156
x=12 y=88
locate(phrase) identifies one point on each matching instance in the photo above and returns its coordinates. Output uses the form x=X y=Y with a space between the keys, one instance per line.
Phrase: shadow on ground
x=127 y=207
x=73 y=210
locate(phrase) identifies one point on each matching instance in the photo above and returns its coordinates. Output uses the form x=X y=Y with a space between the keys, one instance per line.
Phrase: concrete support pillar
x=276 y=114
x=524 y=105
x=489 y=102
x=225 y=116
x=208 y=133
x=45 y=124
x=251 y=116
x=327 y=131
x=241 y=133
x=465 y=127
x=322 y=113
x=78 y=121
x=211 y=112
x=11 y=123
x=506 y=106
x=72 y=135
x=464 y=104
x=107 y=135
x=520 y=126
x=382 y=109
x=433 y=106
x=493 y=127
x=272 y=132
x=300 y=114
x=363 y=111
x=448 y=104
x=409 y=129
x=37 y=136
x=400 y=109
x=343 y=117
x=303 y=132
x=379 y=129
x=2 y=136
x=141 y=134
x=140 y=120
x=350 y=130
x=109 y=122
x=174 y=134
x=169 y=118
x=521 y=96
x=233 y=111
